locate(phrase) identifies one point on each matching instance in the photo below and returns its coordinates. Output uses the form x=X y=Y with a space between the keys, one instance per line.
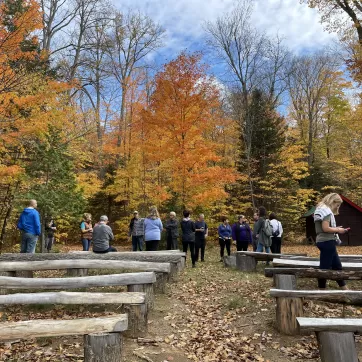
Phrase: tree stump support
x=24 y=274
x=144 y=288
x=286 y=282
x=4 y=291
x=161 y=281
x=245 y=262
x=174 y=271
x=103 y=347
x=73 y=272
x=337 y=346
x=137 y=320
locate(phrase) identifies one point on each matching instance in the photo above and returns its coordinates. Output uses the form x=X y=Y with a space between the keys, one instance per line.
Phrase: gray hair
x=172 y=213
x=103 y=218
x=201 y=215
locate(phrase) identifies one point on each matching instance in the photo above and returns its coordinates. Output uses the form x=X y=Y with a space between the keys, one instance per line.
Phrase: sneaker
x=193 y=265
x=202 y=260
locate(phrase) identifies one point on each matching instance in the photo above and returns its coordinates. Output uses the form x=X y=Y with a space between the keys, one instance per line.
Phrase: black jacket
x=188 y=231
x=171 y=227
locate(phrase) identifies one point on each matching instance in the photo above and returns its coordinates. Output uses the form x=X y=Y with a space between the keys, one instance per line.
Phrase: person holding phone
x=201 y=232
x=224 y=232
x=327 y=235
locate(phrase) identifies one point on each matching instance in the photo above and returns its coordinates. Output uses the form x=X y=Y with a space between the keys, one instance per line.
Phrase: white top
x=277 y=224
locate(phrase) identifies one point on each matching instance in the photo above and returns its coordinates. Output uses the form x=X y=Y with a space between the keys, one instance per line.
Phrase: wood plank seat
x=98 y=333
x=80 y=267
x=312 y=264
x=134 y=304
x=315 y=273
x=345 y=258
x=135 y=282
x=246 y=260
x=335 y=337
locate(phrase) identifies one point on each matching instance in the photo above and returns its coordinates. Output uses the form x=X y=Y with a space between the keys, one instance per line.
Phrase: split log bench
x=135 y=282
x=344 y=258
x=288 y=263
x=246 y=260
x=132 y=303
x=102 y=336
x=290 y=304
x=335 y=337
x=176 y=260
x=80 y=268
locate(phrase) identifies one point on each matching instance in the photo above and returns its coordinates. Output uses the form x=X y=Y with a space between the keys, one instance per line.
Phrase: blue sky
x=183 y=21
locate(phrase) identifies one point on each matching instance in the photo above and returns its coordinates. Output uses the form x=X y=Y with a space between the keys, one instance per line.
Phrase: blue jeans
x=329 y=259
x=28 y=242
x=86 y=244
x=137 y=242
x=260 y=248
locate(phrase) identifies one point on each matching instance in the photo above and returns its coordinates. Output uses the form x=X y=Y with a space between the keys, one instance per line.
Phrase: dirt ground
x=210 y=314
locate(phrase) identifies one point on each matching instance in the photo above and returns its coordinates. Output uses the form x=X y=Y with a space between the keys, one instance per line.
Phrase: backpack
x=276 y=233
x=268 y=228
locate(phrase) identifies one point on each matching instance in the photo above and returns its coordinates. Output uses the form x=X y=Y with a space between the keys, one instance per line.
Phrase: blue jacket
x=153 y=228
x=29 y=221
x=224 y=231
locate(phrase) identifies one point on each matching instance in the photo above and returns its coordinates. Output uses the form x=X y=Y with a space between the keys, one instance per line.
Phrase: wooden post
x=174 y=272
x=103 y=347
x=24 y=274
x=6 y=274
x=286 y=282
x=337 y=346
x=137 y=320
x=230 y=261
x=144 y=288
x=288 y=309
x=160 y=285
x=72 y=272
x=245 y=262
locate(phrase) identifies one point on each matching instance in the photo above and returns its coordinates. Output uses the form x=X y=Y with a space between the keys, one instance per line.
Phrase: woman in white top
x=277 y=234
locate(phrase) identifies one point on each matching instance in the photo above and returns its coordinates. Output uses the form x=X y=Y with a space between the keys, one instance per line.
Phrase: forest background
x=91 y=123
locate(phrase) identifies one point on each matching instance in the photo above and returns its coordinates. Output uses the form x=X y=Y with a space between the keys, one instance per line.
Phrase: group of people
x=259 y=237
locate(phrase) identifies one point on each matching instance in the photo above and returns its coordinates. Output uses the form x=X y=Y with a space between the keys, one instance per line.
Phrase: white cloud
x=183 y=21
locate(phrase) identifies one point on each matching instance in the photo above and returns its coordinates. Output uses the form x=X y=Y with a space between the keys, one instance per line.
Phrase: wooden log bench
x=134 y=304
x=135 y=282
x=288 y=263
x=335 y=337
x=102 y=336
x=176 y=260
x=344 y=258
x=246 y=260
x=290 y=304
x=80 y=268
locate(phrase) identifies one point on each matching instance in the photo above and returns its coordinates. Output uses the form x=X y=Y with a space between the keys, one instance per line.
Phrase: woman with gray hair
x=153 y=228
x=171 y=227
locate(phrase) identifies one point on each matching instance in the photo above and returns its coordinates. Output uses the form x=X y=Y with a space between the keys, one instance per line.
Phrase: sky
x=183 y=21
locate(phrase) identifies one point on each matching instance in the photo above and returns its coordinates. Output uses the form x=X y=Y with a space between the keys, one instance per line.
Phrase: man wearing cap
x=102 y=236
x=136 y=231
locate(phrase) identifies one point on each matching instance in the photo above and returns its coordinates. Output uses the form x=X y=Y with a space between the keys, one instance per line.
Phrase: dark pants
x=171 y=243
x=329 y=259
x=137 y=242
x=255 y=244
x=152 y=245
x=110 y=249
x=276 y=245
x=49 y=242
x=191 y=245
x=242 y=245
x=224 y=243
x=86 y=244
x=200 y=245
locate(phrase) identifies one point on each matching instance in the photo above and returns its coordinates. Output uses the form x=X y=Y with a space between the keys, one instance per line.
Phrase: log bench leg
x=137 y=320
x=337 y=347
x=73 y=272
x=174 y=272
x=245 y=263
x=4 y=291
x=287 y=282
x=24 y=274
x=144 y=288
x=103 y=347
x=287 y=311
x=161 y=281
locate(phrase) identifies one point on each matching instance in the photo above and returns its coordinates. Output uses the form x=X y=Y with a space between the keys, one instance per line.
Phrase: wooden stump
x=245 y=263
x=24 y=274
x=288 y=309
x=73 y=272
x=174 y=271
x=6 y=274
x=286 y=282
x=137 y=320
x=337 y=347
x=230 y=261
x=161 y=281
x=144 y=288
x=103 y=347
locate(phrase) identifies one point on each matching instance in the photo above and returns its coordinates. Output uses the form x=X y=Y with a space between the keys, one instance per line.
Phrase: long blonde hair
x=153 y=213
x=331 y=200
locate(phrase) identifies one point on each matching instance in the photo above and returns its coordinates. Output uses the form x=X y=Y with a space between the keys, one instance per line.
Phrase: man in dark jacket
x=188 y=236
x=201 y=232
x=242 y=234
x=29 y=224
x=171 y=227
x=136 y=231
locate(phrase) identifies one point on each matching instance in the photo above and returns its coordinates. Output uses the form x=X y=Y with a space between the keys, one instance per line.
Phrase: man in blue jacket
x=29 y=224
